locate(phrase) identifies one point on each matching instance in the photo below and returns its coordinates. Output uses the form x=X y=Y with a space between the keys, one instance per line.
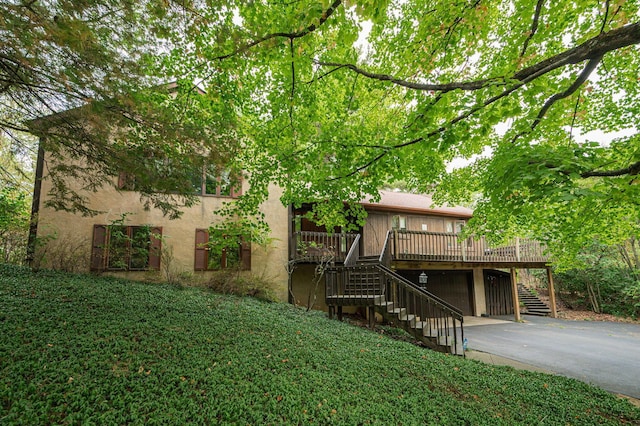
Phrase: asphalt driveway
x=606 y=354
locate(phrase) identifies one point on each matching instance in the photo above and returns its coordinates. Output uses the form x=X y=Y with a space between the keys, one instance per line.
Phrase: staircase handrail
x=445 y=305
x=385 y=254
x=354 y=252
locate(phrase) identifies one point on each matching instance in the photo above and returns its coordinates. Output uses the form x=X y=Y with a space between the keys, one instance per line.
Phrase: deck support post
x=339 y=312
x=332 y=311
x=552 y=294
x=371 y=311
x=514 y=291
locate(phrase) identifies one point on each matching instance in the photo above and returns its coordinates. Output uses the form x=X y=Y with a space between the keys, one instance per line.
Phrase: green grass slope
x=80 y=349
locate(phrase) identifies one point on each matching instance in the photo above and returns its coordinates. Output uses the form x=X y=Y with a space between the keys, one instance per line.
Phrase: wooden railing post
x=514 y=290
x=517 y=249
x=463 y=247
x=552 y=294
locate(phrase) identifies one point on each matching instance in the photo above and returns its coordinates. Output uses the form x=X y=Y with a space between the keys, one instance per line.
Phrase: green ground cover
x=80 y=349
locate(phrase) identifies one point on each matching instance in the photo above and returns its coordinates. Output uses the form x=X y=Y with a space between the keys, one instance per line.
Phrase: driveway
x=606 y=354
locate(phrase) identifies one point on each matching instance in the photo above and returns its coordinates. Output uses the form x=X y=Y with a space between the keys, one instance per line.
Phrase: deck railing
x=320 y=246
x=450 y=247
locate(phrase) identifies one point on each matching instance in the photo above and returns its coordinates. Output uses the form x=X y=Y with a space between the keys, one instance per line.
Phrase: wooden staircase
x=534 y=305
x=367 y=282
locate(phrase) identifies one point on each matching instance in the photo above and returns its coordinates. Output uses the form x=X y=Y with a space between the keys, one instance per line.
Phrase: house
x=407 y=260
x=409 y=265
x=126 y=239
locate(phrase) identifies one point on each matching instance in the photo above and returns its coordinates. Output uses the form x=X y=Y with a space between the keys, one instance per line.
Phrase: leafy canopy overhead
x=338 y=98
x=333 y=99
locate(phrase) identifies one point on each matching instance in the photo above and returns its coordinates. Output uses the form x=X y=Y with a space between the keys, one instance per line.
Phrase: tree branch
x=446 y=87
x=593 y=48
x=606 y=13
x=534 y=27
x=361 y=168
x=445 y=126
x=298 y=34
x=632 y=170
x=293 y=82
x=584 y=75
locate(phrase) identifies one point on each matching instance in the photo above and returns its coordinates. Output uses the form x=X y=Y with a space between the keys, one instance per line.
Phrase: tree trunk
x=594 y=298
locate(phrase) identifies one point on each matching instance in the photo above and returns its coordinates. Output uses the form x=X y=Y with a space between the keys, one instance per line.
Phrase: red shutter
x=122 y=180
x=126 y=181
x=98 y=248
x=236 y=189
x=202 y=238
x=245 y=256
x=155 y=250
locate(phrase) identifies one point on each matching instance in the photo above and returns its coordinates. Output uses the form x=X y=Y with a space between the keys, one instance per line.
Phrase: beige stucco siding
x=178 y=235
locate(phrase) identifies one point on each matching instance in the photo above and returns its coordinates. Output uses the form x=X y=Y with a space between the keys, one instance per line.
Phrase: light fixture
x=422 y=279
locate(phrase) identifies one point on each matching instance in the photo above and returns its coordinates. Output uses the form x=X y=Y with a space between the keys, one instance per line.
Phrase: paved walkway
x=606 y=354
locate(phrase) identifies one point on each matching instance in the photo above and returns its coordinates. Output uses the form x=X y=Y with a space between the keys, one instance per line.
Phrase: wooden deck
x=418 y=249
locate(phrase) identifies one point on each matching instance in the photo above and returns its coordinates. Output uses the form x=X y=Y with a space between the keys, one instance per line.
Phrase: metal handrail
x=385 y=254
x=355 y=284
x=443 y=304
x=352 y=256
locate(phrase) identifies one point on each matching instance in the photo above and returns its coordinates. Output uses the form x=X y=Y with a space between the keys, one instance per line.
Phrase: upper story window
x=214 y=181
x=455 y=227
x=399 y=223
x=211 y=180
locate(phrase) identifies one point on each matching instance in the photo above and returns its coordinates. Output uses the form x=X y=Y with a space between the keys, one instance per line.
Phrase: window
x=209 y=181
x=232 y=252
x=125 y=248
x=218 y=182
x=455 y=227
x=399 y=222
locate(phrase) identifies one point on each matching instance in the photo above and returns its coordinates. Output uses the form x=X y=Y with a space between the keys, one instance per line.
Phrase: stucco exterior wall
x=178 y=235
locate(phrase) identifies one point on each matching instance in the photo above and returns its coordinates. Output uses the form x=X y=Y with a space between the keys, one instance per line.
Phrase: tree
x=331 y=121
x=331 y=118
x=81 y=76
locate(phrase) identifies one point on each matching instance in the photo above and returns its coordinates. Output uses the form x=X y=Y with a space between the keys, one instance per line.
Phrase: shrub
x=65 y=252
x=14 y=225
x=233 y=281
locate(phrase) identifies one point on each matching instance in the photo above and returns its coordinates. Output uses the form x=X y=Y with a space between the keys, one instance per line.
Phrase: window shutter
x=126 y=181
x=245 y=255
x=155 y=250
x=236 y=189
x=123 y=180
x=202 y=238
x=98 y=248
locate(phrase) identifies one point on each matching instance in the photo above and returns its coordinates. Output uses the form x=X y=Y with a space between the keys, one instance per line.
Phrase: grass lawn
x=78 y=349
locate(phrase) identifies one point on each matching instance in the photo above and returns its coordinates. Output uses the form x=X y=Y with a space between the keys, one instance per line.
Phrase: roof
x=414 y=203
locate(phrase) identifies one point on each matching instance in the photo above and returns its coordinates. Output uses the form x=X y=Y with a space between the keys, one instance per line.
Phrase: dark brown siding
x=97 y=247
x=454 y=287
x=202 y=238
x=497 y=289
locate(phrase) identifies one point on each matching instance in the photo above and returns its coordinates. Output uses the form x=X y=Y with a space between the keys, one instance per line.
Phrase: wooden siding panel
x=453 y=287
x=378 y=223
x=497 y=287
x=375 y=232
